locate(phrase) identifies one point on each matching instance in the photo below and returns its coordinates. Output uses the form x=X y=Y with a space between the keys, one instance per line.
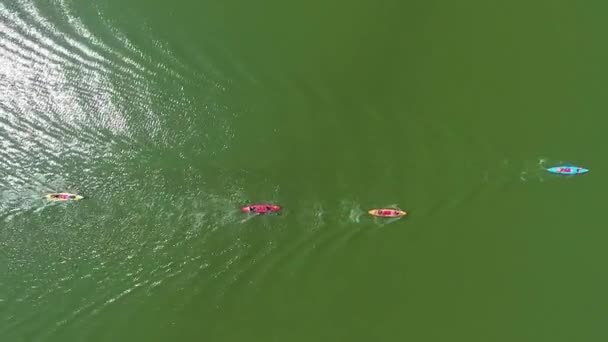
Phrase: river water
x=169 y=117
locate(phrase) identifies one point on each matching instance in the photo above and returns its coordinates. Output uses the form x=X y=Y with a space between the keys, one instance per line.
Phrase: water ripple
x=90 y=111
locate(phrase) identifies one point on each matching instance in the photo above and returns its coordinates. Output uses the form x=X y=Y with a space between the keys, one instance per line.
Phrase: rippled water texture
x=85 y=110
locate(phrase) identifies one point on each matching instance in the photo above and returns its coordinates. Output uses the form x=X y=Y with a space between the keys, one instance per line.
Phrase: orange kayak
x=387 y=212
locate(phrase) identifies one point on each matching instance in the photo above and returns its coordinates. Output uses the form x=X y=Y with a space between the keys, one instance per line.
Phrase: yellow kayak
x=63 y=196
x=387 y=212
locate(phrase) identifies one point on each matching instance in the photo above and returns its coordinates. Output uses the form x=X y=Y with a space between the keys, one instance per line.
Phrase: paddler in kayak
x=261 y=208
x=64 y=196
x=387 y=212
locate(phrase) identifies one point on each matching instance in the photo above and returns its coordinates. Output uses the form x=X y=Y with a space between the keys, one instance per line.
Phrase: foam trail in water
x=352 y=210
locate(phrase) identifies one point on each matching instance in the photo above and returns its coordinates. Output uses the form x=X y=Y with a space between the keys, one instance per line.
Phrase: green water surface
x=171 y=116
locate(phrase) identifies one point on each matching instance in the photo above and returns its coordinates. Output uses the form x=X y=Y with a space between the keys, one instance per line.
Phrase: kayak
x=261 y=208
x=568 y=170
x=63 y=196
x=387 y=212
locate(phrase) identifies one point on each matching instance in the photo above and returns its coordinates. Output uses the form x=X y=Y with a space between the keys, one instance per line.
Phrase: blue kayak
x=568 y=170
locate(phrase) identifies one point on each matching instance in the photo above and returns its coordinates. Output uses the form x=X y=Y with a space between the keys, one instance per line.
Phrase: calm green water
x=170 y=116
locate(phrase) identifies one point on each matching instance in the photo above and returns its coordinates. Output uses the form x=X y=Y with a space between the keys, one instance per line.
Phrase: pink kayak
x=261 y=208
